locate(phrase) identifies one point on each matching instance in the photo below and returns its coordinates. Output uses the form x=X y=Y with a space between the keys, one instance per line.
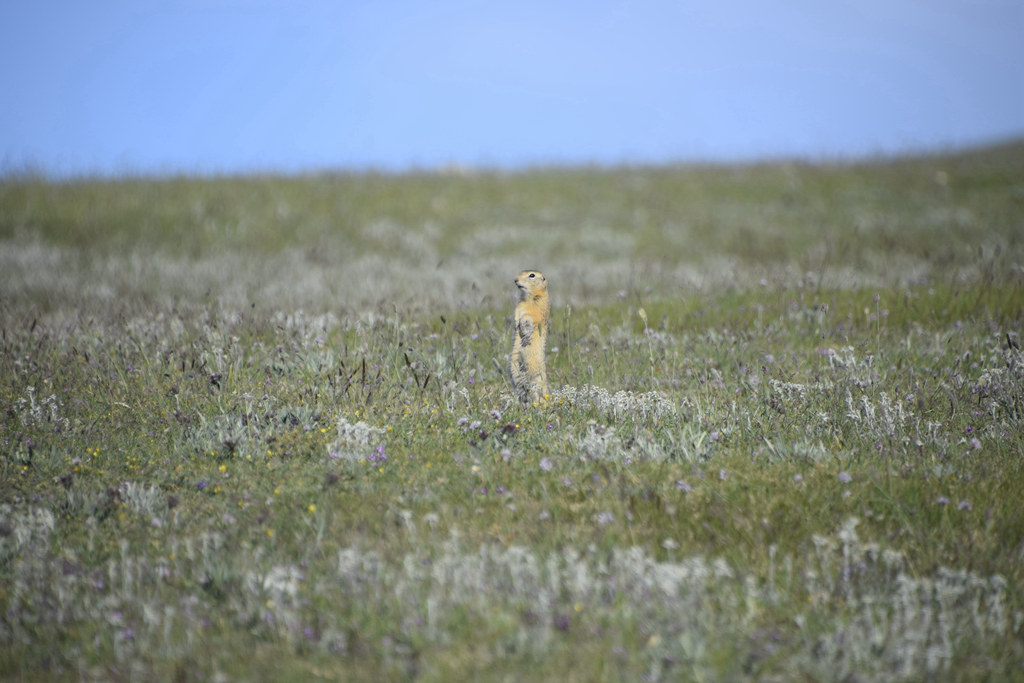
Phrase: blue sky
x=246 y=85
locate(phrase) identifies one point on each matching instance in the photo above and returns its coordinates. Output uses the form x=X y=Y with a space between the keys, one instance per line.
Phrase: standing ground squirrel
x=529 y=375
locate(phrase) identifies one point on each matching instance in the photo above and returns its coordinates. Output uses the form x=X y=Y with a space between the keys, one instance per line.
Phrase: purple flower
x=964 y=505
x=797 y=478
x=975 y=443
x=566 y=481
x=844 y=477
x=378 y=457
x=942 y=500
x=683 y=486
x=201 y=485
x=714 y=436
x=546 y=465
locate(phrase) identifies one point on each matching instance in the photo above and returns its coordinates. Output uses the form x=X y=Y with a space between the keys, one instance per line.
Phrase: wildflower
x=942 y=500
x=845 y=478
x=378 y=457
x=312 y=507
x=975 y=443
x=683 y=486
x=604 y=518
x=964 y=505
x=797 y=478
x=201 y=485
x=545 y=464
x=714 y=436
x=722 y=475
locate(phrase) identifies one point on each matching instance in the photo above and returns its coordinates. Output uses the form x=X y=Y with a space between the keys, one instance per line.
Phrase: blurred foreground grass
x=258 y=427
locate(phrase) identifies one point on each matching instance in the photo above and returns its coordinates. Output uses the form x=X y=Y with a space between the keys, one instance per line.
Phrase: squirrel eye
x=532 y=275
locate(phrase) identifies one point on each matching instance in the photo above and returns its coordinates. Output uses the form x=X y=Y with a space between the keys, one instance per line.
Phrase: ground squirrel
x=529 y=375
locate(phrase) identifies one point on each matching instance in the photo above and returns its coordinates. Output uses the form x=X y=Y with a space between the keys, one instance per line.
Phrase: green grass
x=259 y=427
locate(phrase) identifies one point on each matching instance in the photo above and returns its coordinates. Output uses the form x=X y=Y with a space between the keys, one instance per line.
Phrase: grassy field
x=258 y=428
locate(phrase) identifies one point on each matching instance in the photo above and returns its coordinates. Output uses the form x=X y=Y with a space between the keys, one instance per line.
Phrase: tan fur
x=529 y=374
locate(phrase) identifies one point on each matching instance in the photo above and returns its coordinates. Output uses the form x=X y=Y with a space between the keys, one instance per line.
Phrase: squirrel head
x=531 y=282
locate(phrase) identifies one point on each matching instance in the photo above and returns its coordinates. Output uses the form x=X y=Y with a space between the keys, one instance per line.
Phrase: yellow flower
x=312 y=507
x=223 y=468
